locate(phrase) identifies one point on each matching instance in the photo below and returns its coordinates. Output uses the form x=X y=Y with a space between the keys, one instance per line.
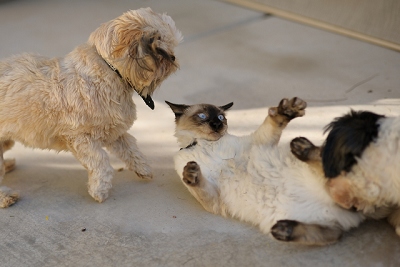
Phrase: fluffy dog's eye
x=221 y=117
x=173 y=58
x=202 y=116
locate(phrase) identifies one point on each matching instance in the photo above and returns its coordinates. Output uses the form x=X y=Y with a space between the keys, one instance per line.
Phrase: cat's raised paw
x=292 y=108
x=191 y=173
x=287 y=110
x=302 y=148
x=283 y=230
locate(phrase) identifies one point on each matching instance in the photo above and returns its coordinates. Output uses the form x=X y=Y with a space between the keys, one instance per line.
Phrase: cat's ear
x=226 y=107
x=178 y=109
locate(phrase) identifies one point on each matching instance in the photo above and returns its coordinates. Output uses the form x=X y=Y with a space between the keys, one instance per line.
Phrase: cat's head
x=200 y=121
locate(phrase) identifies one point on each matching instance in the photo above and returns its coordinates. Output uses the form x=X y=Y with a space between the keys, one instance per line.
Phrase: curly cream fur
x=77 y=103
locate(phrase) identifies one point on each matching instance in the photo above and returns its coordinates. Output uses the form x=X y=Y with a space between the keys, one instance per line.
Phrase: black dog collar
x=148 y=100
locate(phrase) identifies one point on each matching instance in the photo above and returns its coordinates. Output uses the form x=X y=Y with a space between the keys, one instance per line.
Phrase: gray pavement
x=229 y=54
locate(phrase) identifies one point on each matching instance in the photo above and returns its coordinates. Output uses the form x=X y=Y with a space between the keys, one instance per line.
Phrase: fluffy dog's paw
x=9 y=165
x=288 y=110
x=283 y=230
x=99 y=196
x=302 y=148
x=191 y=173
x=7 y=197
x=99 y=190
x=144 y=172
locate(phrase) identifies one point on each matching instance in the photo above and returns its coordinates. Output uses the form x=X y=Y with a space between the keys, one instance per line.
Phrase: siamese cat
x=253 y=179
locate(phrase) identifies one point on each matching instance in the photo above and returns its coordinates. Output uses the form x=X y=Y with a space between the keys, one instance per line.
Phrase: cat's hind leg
x=308 y=234
x=205 y=191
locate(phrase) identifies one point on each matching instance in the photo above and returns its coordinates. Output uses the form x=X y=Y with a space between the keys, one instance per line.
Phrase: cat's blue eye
x=202 y=116
x=221 y=117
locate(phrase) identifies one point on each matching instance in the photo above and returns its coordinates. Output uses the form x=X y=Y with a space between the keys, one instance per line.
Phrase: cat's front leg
x=306 y=151
x=278 y=117
x=205 y=191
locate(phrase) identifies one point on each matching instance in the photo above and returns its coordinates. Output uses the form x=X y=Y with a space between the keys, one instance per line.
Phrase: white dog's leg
x=278 y=117
x=126 y=149
x=7 y=196
x=95 y=159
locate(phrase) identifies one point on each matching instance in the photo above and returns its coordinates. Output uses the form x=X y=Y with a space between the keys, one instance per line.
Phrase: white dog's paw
x=7 y=197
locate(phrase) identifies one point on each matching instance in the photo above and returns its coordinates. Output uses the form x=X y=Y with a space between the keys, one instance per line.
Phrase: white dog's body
x=376 y=176
x=253 y=179
x=83 y=101
x=372 y=185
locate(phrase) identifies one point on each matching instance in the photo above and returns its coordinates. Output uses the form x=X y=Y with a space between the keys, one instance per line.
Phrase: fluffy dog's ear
x=149 y=45
x=348 y=137
x=226 y=107
x=178 y=109
x=127 y=37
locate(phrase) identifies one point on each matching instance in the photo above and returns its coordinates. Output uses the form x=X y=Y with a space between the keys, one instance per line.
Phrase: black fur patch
x=348 y=137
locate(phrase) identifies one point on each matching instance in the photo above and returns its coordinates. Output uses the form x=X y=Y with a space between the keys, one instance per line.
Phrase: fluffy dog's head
x=348 y=137
x=140 y=45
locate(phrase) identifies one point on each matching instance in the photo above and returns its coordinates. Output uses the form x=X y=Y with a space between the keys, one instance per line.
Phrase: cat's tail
x=303 y=233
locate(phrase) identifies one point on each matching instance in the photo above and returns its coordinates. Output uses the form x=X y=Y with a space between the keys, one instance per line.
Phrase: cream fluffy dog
x=83 y=101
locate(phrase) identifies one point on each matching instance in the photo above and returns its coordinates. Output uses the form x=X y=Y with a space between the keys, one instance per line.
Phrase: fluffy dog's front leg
x=394 y=219
x=7 y=196
x=95 y=159
x=270 y=131
x=202 y=189
x=125 y=148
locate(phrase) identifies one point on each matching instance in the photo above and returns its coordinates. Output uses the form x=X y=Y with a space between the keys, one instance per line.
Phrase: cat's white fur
x=257 y=181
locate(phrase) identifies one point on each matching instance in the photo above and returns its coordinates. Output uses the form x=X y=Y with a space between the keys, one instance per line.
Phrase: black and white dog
x=361 y=159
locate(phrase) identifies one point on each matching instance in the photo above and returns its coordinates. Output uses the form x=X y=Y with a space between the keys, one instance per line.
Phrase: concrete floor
x=229 y=54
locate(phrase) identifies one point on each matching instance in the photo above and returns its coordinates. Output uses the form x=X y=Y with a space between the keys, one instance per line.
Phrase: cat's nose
x=216 y=125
